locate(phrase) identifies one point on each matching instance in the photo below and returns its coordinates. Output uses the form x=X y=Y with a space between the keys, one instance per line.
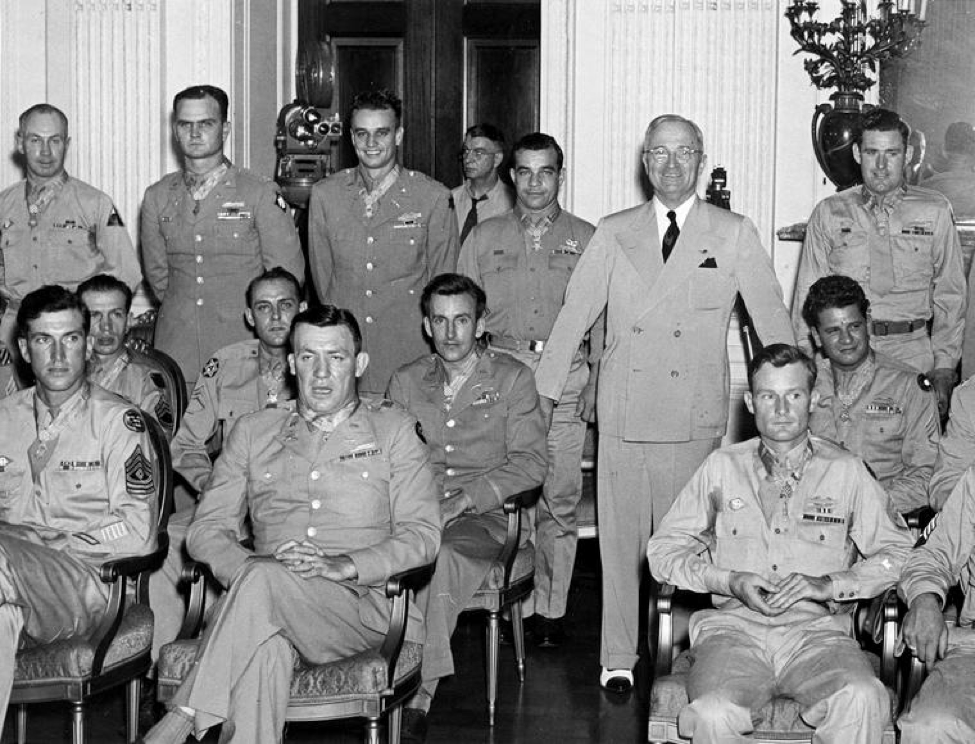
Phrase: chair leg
x=493 y=645
x=78 y=723
x=134 y=690
x=394 y=724
x=21 y=724
x=518 y=626
x=372 y=731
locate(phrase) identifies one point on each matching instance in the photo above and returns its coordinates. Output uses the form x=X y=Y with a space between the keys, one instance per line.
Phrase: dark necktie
x=670 y=237
x=471 y=218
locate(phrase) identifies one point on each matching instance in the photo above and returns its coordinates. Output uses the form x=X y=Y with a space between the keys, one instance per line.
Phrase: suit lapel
x=641 y=245
x=688 y=254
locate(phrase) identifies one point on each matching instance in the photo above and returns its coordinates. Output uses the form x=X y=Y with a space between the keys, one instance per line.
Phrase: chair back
x=169 y=412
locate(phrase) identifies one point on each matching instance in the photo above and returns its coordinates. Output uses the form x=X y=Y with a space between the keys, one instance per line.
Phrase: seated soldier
x=76 y=485
x=956 y=451
x=773 y=528
x=340 y=495
x=479 y=413
x=943 y=711
x=240 y=378
x=876 y=407
x=112 y=365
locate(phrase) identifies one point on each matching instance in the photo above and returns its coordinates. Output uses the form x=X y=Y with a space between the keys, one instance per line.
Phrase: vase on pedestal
x=833 y=127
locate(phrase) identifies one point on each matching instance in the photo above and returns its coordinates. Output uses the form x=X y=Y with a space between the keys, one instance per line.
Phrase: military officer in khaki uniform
x=55 y=229
x=666 y=273
x=483 y=194
x=341 y=495
x=523 y=259
x=900 y=244
x=76 y=485
x=785 y=531
x=874 y=406
x=956 y=452
x=206 y=231
x=478 y=411
x=378 y=233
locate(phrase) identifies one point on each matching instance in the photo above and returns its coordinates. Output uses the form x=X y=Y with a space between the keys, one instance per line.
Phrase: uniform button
x=451 y=424
x=365 y=473
x=198 y=238
x=267 y=475
x=316 y=504
x=199 y=280
x=311 y=532
x=449 y=448
x=775 y=567
x=199 y=259
x=451 y=471
x=413 y=242
x=412 y=291
x=370 y=240
x=236 y=235
x=676 y=334
x=777 y=530
x=674 y=373
x=368 y=293
x=315 y=475
x=822 y=537
x=369 y=266
x=199 y=301
x=369 y=319
x=841 y=595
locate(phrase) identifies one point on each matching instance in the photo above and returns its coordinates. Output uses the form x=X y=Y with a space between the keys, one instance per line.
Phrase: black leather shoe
x=549 y=633
x=414 y=726
x=619 y=681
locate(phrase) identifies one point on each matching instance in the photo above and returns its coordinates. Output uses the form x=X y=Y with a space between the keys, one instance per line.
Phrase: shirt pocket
x=821 y=547
x=739 y=537
x=78 y=497
x=850 y=254
x=236 y=237
x=11 y=483
x=913 y=269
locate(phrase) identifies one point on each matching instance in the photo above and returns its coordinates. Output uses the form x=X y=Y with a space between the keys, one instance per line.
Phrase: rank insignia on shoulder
x=133 y=421
x=138 y=474
x=279 y=200
x=114 y=218
x=211 y=367
x=924 y=383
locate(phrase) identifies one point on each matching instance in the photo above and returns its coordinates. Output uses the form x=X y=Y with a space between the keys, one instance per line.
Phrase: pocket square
x=709 y=263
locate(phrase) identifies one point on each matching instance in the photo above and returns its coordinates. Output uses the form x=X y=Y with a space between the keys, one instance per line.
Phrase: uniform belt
x=893 y=327
x=517 y=344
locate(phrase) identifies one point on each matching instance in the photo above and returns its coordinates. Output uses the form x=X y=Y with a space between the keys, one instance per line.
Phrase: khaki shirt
x=500 y=199
x=918 y=234
x=78 y=235
x=139 y=383
x=229 y=387
x=956 y=452
x=199 y=262
x=377 y=267
x=893 y=425
x=491 y=442
x=96 y=496
x=836 y=523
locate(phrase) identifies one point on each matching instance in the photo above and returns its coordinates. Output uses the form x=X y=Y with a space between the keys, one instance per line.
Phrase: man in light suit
x=667 y=273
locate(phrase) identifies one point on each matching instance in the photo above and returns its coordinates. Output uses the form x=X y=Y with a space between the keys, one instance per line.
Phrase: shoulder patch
x=114 y=218
x=211 y=367
x=138 y=474
x=279 y=200
x=924 y=383
x=133 y=420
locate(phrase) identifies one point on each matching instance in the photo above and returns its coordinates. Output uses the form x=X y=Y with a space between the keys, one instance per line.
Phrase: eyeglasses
x=478 y=153
x=662 y=154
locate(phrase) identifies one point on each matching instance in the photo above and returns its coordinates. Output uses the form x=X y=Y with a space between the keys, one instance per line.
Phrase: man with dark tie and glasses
x=483 y=194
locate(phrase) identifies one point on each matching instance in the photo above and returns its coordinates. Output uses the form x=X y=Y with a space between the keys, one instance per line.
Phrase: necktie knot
x=670 y=237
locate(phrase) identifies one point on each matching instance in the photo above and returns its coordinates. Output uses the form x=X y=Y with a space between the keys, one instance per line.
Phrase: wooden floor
x=560 y=701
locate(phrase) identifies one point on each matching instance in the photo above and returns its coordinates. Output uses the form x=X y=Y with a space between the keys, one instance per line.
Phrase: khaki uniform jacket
x=894 y=426
x=378 y=267
x=96 y=497
x=664 y=369
x=79 y=234
x=492 y=441
x=929 y=281
x=229 y=387
x=199 y=265
x=837 y=514
x=141 y=383
x=956 y=452
x=368 y=492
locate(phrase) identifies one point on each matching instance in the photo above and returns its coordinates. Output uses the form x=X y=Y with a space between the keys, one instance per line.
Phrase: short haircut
x=51 y=298
x=453 y=284
x=377 y=99
x=325 y=316
x=538 y=141
x=677 y=119
x=41 y=108
x=960 y=138
x=487 y=131
x=197 y=92
x=830 y=292
x=270 y=275
x=781 y=355
x=106 y=283
x=881 y=120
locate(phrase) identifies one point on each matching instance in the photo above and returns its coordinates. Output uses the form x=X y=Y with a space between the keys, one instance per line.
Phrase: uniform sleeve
x=199 y=424
x=215 y=533
x=760 y=289
x=678 y=552
x=279 y=239
x=414 y=512
x=154 y=261
x=949 y=297
x=397 y=392
x=121 y=260
x=883 y=543
x=813 y=264
x=319 y=244
x=526 y=446
x=443 y=241
x=956 y=452
x=919 y=450
x=937 y=565
x=585 y=298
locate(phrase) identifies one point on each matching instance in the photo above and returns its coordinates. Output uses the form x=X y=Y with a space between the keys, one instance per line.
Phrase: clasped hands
x=772 y=598
x=308 y=560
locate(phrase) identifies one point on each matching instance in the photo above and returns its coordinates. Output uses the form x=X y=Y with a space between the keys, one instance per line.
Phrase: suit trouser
x=943 y=711
x=242 y=674
x=556 y=534
x=636 y=484
x=741 y=663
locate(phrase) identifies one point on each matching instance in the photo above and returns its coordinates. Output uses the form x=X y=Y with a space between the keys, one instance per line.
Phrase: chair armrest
x=916 y=673
x=130 y=566
x=514 y=507
x=194 y=574
x=663 y=610
x=399 y=588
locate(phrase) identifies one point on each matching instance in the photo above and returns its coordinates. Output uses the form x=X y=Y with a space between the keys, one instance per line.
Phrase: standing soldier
x=523 y=259
x=206 y=232
x=483 y=194
x=378 y=234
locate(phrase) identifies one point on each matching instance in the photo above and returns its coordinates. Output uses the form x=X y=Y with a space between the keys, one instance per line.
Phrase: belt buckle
x=536 y=346
x=881 y=328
